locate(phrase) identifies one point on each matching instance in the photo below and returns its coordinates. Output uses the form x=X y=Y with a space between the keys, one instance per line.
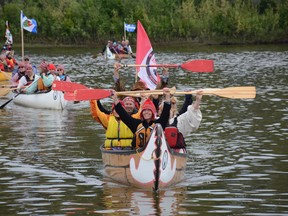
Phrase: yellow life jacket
x=117 y=134
x=142 y=135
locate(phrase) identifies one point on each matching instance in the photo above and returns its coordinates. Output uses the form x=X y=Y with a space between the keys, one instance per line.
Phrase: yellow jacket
x=117 y=133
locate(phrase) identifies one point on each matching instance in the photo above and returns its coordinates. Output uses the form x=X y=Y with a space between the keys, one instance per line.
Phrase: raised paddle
x=192 y=65
x=67 y=86
x=244 y=92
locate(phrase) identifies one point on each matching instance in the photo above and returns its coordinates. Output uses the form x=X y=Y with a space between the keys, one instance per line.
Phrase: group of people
x=7 y=61
x=118 y=47
x=130 y=122
x=31 y=79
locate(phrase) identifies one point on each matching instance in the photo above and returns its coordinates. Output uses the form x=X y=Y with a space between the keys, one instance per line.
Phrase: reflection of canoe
x=154 y=167
x=112 y=56
x=47 y=100
x=4 y=76
x=4 y=88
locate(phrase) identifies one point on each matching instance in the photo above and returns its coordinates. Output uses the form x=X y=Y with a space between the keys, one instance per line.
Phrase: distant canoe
x=5 y=76
x=114 y=56
x=154 y=167
x=48 y=100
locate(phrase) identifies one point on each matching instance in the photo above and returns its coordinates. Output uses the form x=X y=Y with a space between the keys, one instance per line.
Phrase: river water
x=50 y=162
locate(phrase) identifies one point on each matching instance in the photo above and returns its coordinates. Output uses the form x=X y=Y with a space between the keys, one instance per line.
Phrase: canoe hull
x=155 y=167
x=50 y=100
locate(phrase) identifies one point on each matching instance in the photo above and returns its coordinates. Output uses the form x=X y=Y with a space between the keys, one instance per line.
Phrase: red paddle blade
x=198 y=66
x=69 y=96
x=91 y=94
x=67 y=86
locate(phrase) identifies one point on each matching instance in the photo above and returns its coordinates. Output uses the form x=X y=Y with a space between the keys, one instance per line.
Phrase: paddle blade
x=237 y=92
x=69 y=96
x=91 y=94
x=67 y=86
x=198 y=66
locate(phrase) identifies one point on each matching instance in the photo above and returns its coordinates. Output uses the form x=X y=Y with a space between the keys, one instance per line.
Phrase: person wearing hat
x=118 y=135
x=20 y=72
x=30 y=79
x=141 y=128
x=46 y=76
x=61 y=74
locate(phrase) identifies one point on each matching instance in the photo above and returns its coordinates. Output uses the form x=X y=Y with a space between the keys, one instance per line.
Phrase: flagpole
x=124 y=32
x=22 y=37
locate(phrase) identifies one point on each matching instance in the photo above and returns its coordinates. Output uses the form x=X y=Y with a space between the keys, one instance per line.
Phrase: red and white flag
x=145 y=56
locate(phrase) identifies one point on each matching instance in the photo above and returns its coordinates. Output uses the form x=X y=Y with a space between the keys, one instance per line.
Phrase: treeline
x=95 y=21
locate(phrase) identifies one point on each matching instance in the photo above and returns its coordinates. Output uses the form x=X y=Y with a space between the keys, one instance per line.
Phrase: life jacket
x=117 y=134
x=29 y=81
x=142 y=135
x=63 y=77
x=11 y=63
x=19 y=76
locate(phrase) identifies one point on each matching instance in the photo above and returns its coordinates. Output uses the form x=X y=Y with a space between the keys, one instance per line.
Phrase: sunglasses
x=20 y=67
x=59 y=70
x=26 y=59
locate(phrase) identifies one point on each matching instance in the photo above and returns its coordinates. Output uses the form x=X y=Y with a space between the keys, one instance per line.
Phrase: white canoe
x=48 y=100
x=112 y=56
x=156 y=166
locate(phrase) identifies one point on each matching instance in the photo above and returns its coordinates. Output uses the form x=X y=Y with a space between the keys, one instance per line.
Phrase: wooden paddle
x=192 y=65
x=243 y=92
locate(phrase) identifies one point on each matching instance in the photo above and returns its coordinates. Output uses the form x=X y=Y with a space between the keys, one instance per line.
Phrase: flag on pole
x=145 y=56
x=8 y=35
x=130 y=27
x=28 y=24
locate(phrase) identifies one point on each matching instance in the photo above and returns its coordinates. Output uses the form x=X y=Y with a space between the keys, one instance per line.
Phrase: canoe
x=153 y=167
x=44 y=100
x=5 y=76
x=112 y=56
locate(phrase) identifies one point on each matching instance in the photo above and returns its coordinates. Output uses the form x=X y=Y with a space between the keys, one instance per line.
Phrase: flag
x=28 y=24
x=145 y=56
x=8 y=35
x=129 y=27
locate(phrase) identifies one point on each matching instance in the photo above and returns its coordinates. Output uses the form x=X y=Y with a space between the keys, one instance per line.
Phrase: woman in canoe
x=143 y=127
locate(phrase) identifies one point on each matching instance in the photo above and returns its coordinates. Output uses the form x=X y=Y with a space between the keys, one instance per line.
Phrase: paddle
x=192 y=66
x=7 y=102
x=67 y=86
x=230 y=92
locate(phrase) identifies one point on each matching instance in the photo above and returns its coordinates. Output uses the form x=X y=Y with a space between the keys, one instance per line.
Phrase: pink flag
x=145 y=56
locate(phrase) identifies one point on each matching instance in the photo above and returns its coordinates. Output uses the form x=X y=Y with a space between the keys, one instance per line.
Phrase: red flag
x=145 y=56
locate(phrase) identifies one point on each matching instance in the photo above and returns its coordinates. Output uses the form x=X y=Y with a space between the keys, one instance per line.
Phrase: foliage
x=95 y=21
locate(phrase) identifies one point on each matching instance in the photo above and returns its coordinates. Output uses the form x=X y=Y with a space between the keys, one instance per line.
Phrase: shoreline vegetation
x=167 y=22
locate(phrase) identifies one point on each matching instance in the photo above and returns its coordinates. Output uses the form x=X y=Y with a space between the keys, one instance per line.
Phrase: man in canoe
x=118 y=135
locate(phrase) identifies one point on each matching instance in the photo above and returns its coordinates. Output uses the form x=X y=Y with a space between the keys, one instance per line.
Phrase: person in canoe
x=141 y=128
x=61 y=73
x=47 y=76
x=20 y=73
x=30 y=80
x=118 y=135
